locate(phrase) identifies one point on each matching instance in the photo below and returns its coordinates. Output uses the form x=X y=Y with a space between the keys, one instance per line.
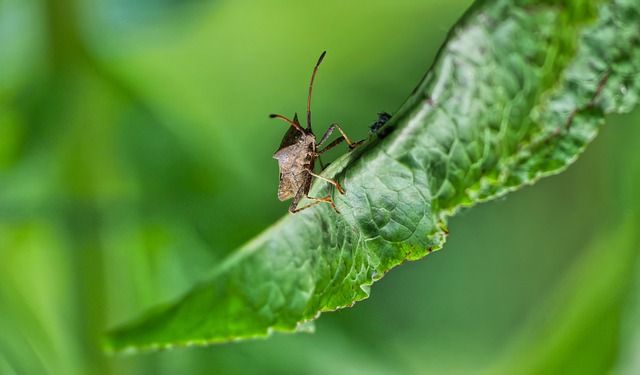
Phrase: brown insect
x=297 y=156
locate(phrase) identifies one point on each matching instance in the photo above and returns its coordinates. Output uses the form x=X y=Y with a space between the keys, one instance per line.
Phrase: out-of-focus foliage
x=135 y=154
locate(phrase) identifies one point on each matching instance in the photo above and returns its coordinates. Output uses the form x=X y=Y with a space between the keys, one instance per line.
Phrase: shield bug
x=297 y=155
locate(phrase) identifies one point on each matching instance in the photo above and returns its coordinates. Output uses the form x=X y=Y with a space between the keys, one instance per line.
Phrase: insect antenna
x=310 y=89
x=294 y=124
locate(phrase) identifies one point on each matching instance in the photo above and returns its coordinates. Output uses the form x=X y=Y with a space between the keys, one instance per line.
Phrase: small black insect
x=297 y=155
x=383 y=117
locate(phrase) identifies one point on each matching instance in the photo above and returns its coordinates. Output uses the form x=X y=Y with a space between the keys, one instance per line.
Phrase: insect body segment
x=297 y=155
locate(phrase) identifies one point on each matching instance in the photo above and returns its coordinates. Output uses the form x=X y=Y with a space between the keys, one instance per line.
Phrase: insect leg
x=328 y=133
x=326 y=199
x=303 y=193
x=330 y=146
x=332 y=182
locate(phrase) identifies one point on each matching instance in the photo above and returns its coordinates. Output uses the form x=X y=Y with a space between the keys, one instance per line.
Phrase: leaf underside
x=516 y=93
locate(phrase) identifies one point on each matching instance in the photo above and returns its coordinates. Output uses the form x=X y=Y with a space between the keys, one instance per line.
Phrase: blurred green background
x=136 y=153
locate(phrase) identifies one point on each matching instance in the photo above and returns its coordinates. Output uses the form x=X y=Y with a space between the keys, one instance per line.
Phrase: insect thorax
x=295 y=160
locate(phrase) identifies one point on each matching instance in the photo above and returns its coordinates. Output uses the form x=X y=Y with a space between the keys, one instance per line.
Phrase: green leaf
x=516 y=93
